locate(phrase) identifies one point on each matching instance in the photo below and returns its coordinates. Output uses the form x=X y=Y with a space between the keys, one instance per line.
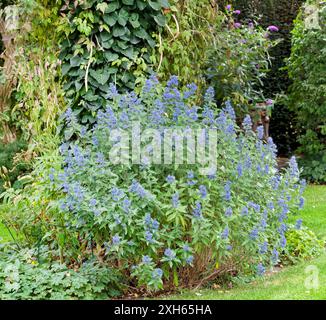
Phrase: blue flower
x=227 y=190
x=209 y=95
x=190 y=175
x=275 y=255
x=149 y=236
x=173 y=81
x=138 y=189
x=239 y=169
x=175 y=200
x=254 y=234
x=283 y=241
x=203 y=191
x=126 y=205
x=260 y=270
x=244 y=211
x=263 y=248
x=157 y=273
x=225 y=233
x=170 y=254
x=229 y=247
x=186 y=248
x=170 y=179
x=229 y=212
x=117 y=194
x=190 y=260
x=146 y=260
x=301 y=202
x=260 y=132
x=197 y=211
x=92 y=202
x=298 y=224
x=247 y=123
x=116 y=239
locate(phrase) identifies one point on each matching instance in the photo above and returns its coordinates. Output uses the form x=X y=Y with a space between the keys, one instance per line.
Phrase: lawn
x=289 y=283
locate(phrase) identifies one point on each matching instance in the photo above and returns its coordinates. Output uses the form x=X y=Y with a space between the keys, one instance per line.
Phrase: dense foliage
x=106 y=42
x=28 y=274
x=307 y=67
x=166 y=225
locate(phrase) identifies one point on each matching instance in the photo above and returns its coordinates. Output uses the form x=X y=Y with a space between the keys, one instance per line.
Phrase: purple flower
x=239 y=169
x=273 y=29
x=197 y=211
x=116 y=239
x=190 y=260
x=237 y=25
x=254 y=234
x=170 y=254
x=244 y=211
x=247 y=123
x=301 y=202
x=225 y=233
x=260 y=270
x=260 y=132
x=175 y=200
x=275 y=256
x=228 y=7
x=283 y=241
x=227 y=190
x=173 y=81
x=298 y=224
x=269 y=102
x=126 y=205
x=263 y=248
x=157 y=273
x=237 y=12
x=228 y=212
x=149 y=236
x=170 y=179
x=203 y=191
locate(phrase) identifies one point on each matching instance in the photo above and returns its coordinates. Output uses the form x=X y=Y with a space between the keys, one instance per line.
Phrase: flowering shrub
x=239 y=59
x=170 y=224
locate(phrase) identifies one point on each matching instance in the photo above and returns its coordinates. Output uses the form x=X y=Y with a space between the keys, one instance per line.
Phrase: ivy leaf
x=110 y=19
x=119 y=31
x=164 y=3
x=155 y=5
x=107 y=44
x=134 y=20
x=112 y=6
x=102 y=7
x=129 y=52
x=110 y=56
x=65 y=68
x=160 y=20
x=141 y=33
x=141 y=5
x=123 y=17
x=100 y=78
x=128 y=2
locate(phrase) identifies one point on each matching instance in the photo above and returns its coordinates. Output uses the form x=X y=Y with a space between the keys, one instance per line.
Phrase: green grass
x=289 y=283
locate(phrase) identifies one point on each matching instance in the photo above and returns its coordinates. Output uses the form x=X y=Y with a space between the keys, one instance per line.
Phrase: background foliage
x=307 y=98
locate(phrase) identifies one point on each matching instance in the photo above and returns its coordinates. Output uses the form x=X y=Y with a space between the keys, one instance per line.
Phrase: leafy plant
x=106 y=42
x=302 y=244
x=307 y=96
x=184 y=226
x=23 y=275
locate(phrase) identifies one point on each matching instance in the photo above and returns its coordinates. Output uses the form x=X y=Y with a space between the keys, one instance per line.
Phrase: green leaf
x=110 y=19
x=123 y=17
x=129 y=52
x=141 y=4
x=160 y=20
x=119 y=31
x=100 y=78
x=134 y=20
x=112 y=6
x=102 y=7
x=110 y=56
x=65 y=68
x=155 y=5
x=128 y=2
x=141 y=33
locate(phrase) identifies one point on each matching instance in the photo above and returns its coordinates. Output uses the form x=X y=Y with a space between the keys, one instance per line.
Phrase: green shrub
x=27 y=275
x=104 y=43
x=307 y=98
x=302 y=244
x=167 y=225
x=9 y=170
